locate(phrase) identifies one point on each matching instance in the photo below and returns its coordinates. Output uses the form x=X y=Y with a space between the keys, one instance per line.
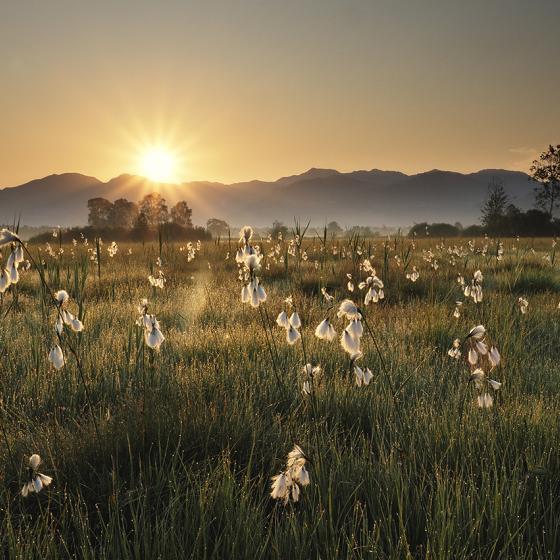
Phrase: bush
x=169 y=232
x=434 y=230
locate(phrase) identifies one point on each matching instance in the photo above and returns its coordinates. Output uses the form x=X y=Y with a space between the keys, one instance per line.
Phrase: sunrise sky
x=245 y=89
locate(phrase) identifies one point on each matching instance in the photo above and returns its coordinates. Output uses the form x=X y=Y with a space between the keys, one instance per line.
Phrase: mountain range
x=373 y=198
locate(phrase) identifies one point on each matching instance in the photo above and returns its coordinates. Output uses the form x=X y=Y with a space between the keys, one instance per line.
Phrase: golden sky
x=243 y=89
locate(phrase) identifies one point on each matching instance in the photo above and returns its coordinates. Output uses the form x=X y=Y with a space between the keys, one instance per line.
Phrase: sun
x=158 y=164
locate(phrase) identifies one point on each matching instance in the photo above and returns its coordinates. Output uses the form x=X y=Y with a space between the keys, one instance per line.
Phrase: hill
x=371 y=197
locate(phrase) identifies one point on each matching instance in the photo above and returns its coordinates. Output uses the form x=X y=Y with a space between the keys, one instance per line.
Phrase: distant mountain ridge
x=373 y=197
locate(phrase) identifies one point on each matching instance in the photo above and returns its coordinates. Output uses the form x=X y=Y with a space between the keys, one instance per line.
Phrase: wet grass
x=189 y=437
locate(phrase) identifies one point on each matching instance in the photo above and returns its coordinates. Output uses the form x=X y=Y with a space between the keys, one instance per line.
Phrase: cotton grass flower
x=472 y=357
x=9 y=274
x=494 y=357
x=523 y=305
x=253 y=263
x=325 y=331
x=349 y=310
x=477 y=333
x=13 y=274
x=477 y=377
x=279 y=488
x=292 y=335
x=56 y=357
x=152 y=334
x=355 y=328
x=257 y=293
x=153 y=337
x=287 y=485
x=349 y=343
x=61 y=297
x=65 y=317
x=457 y=311
x=7 y=236
x=157 y=281
x=312 y=371
x=363 y=376
x=482 y=358
x=295 y=321
x=496 y=385
x=249 y=261
x=485 y=401
x=312 y=377
x=4 y=280
x=474 y=290
x=372 y=284
x=36 y=481
x=282 y=320
x=327 y=296
x=75 y=324
x=245 y=234
x=414 y=275
x=455 y=350
x=292 y=324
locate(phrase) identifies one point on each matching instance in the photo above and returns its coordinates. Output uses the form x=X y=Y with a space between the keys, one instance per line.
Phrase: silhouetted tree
x=546 y=172
x=153 y=208
x=181 y=214
x=362 y=231
x=512 y=211
x=435 y=230
x=99 y=210
x=217 y=227
x=123 y=213
x=278 y=229
x=494 y=208
x=334 y=229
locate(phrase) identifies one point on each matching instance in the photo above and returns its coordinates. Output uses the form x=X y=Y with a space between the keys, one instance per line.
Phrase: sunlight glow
x=158 y=164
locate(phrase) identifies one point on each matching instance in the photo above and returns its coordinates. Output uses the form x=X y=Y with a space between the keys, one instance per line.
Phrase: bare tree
x=494 y=208
x=546 y=172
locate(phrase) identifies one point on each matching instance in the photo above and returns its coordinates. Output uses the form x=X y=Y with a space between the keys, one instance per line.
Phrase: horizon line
x=183 y=182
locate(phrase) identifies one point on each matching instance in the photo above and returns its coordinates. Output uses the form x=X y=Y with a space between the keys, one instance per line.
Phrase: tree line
x=499 y=216
x=149 y=219
x=151 y=212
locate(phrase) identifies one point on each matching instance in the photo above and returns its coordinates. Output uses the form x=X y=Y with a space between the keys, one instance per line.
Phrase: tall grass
x=189 y=437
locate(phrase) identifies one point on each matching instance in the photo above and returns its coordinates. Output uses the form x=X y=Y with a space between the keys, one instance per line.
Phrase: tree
x=494 y=208
x=278 y=230
x=217 y=227
x=99 y=210
x=141 y=222
x=181 y=214
x=123 y=213
x=362 y=231
x=334 y=229
x=153 y=208
x=545 y=171
x=512 y=211
x=435 y=230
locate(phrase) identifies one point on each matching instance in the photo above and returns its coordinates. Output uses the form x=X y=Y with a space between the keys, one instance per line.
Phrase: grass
x=190 y=436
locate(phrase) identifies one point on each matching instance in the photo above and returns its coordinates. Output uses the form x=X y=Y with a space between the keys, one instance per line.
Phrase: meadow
x=168 y=453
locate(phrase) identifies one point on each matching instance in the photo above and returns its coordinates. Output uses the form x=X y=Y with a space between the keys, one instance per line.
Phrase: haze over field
x=361 y=197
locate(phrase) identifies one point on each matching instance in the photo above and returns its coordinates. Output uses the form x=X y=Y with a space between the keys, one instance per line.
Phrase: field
x=169 y=454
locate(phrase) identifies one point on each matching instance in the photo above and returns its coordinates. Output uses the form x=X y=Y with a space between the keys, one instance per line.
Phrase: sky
x=242 y=89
